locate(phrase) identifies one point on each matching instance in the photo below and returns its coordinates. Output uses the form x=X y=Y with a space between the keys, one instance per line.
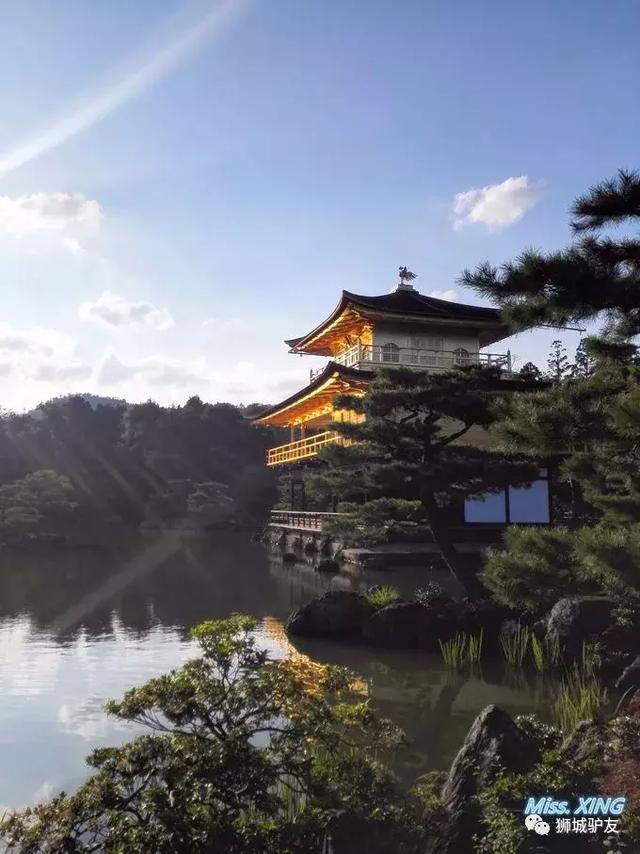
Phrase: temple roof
x=403 y=304
x=335 y=379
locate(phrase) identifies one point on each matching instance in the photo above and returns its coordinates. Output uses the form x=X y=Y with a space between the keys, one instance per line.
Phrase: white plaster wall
x=404 y=336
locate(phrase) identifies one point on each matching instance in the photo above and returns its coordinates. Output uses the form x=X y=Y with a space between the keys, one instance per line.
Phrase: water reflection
x=79 y=627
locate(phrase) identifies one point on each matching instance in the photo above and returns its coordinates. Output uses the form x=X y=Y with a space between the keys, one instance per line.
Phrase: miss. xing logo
x=581 y=817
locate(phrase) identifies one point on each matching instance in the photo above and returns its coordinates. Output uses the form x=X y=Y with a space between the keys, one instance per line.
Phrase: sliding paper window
x=523 y=505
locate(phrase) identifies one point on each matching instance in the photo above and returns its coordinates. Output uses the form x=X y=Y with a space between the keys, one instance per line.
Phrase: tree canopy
x=414 y=458
x=243 y=754
x=117 y=458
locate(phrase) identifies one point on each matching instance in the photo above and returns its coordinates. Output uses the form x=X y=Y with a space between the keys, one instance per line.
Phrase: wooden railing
x=370 y=356
x=303 y=448
x=306 y=520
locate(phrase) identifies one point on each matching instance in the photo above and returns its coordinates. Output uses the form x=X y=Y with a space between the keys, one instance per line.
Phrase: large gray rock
x=630 y=677
x=336 y=614
x=412 y=625
x=578 y=619
x=403 y=625
x=494 y=744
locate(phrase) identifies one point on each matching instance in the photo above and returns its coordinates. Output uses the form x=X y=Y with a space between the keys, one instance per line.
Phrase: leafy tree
x=415 y=449
x=558 y=363
x=529 y=371
x=595 y=278
x=28 y=504
x=245 y=754
x=120 y=458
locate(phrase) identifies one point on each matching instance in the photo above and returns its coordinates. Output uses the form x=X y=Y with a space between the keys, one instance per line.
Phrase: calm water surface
x=78 y=628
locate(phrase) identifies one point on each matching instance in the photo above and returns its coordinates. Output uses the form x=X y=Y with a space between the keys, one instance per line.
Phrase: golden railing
x=303 y=448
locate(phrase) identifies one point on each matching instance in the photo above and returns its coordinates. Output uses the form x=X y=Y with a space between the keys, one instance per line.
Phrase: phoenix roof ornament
x=406 y=276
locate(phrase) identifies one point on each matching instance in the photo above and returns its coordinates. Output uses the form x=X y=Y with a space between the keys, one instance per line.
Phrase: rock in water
x=412 y=625
x=336 y=614
x=576 y=620
x=494 y=744
x=403 y=625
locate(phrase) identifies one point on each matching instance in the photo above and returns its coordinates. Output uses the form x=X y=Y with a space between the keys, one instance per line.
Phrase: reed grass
x=474 y=647
x=590 y=658
x=581 y=697
x=546 y=654
x=453 y=651
x=515 y=645
x=462 y=649
x=382 y=595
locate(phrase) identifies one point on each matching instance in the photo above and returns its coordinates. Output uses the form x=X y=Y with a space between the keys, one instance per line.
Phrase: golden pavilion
x=404 y=328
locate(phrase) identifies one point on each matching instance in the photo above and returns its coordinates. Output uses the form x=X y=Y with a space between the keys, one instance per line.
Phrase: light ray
x=144 y=76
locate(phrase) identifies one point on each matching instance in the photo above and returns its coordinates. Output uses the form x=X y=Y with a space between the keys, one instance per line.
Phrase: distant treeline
x=123 y=463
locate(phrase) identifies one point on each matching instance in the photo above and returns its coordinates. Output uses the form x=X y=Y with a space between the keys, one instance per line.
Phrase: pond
x=79 y=627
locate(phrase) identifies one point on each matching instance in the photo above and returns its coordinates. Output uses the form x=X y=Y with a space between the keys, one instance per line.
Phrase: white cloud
x=72 y=245
x=112 y=310
x=39 y=355
x=22 y=215
x=496 y=206
x=449 y=294
x=36 y=341
x=155 y=370
x=62 y=373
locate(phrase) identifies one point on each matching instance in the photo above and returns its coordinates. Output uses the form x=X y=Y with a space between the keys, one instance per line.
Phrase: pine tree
x=593 y=421
x=595 y=278
x=558 y=363
x=413 y=457
x=583 y=365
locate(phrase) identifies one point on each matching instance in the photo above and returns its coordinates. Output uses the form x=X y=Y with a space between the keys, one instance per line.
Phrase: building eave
x=405 y=307
x=332 y=375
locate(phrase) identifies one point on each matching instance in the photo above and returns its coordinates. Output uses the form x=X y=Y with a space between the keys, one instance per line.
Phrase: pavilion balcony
x=302 y=449
x=368 y=357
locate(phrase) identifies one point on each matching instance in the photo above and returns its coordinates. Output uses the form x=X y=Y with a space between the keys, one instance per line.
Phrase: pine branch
x=608 y=203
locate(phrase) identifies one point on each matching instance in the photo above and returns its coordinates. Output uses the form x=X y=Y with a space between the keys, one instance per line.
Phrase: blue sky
x=184 y=185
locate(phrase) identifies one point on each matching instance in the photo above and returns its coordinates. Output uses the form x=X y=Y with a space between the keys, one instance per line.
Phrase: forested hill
x=82 y=460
